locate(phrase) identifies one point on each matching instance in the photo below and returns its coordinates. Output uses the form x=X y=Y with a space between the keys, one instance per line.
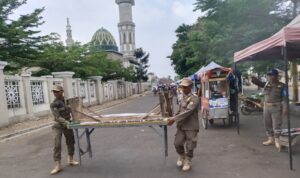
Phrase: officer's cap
x=273 y=72
x=186 y=82
x=57 y=88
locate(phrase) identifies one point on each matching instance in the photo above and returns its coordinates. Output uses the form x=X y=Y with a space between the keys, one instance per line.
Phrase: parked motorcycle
x=251 y=103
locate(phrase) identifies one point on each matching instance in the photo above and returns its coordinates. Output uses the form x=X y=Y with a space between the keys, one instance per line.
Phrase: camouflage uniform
x=187 y=125
x=275 y=95
x=62 y=115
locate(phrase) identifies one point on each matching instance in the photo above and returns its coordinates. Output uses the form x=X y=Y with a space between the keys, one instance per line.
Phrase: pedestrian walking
x=275 y=106
x=62 y=115
x=187 y=125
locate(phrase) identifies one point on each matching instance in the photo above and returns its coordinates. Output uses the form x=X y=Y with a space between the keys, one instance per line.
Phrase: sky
x=155 y=20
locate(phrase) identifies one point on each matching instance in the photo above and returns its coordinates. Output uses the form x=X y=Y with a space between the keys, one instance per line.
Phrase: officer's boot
x=180 y=160
x=187 y=164
x=71 y=161
x=57 y=168
x=268 y=142
x=277 y=144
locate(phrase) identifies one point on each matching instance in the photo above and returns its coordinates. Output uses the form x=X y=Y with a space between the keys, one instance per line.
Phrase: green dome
x=103 y=40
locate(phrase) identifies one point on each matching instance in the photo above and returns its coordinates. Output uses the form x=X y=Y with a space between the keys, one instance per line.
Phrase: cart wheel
x=205 y=122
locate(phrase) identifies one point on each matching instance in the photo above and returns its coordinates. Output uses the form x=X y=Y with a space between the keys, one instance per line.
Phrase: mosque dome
x=103 y=40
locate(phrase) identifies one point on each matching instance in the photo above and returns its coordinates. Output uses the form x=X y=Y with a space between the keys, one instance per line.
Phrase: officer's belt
x=272 y=104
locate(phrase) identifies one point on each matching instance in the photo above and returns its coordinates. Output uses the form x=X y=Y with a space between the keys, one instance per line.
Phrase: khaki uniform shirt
x=273 y=92
x=61 y=112
x=187 y=118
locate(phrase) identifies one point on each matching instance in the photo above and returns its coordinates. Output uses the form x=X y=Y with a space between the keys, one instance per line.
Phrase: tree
x=141 y=68
x=77 y=58
x=22 y=47
x=21 y=42
x=226 y=27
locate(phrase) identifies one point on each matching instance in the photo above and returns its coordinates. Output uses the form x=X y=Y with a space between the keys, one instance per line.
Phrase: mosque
x=104 y=41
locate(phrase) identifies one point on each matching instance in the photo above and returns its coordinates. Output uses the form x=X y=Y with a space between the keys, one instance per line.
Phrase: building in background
x=126 y=28
x=69 y=40
x=103 y=40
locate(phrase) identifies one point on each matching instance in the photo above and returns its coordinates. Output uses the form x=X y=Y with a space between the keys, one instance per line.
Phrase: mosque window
x=124 y=37
x=130 y=38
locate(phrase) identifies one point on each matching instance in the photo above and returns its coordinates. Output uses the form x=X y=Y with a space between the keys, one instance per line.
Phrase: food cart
x=215 y=99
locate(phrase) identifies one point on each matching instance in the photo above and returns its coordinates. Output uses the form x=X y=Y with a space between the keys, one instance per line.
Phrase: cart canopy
x=211 y=67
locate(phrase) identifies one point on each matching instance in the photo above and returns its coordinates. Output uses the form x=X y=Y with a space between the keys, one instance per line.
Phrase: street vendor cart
x=215 y=96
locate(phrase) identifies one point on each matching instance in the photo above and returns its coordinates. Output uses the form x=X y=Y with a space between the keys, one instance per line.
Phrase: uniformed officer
x=187 y=125
x=62 y=115
x=274 y=106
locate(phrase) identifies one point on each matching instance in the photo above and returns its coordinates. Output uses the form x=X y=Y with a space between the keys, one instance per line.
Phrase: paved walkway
x=137 y=152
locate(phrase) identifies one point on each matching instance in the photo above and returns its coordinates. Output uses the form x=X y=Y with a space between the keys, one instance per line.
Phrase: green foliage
x=21 y=46
x=20 y=42
x=77 y=58
x=141 y=68
x=227 y=26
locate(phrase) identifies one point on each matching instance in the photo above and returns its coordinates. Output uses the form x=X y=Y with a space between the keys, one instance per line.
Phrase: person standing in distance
x=62 y=115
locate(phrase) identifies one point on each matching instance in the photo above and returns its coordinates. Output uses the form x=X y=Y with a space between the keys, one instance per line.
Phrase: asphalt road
x=137 y=152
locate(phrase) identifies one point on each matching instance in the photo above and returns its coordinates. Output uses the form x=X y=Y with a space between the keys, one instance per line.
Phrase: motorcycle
x=251 y=103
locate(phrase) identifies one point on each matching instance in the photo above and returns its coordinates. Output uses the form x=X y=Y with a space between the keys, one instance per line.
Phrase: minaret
x=126 y=28
x=69 y=40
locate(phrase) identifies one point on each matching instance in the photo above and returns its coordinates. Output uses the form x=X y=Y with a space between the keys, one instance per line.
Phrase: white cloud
x=184 y=11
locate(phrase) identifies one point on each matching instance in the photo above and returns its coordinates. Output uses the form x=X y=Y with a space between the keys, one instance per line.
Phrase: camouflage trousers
x=273 y=120
x=185 y=142
x=68 y=133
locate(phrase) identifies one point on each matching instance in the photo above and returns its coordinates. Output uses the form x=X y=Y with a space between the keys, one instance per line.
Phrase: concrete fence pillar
x=99 y=88
x=3 y=105
x=88 y=87
x=77 y=86
x=139 y=88
x=126 y=89
x=49 y=80
x=27 y=93
x=115 y=88
x=67 y=79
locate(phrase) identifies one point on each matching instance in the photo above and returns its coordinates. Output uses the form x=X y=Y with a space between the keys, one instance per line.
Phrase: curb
x=7 y=137
x=24 y=131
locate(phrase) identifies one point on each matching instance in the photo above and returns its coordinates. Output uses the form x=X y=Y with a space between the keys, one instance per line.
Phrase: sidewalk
x=13 y=130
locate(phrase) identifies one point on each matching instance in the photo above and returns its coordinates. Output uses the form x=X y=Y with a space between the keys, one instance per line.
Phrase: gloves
x=171 y=121
x=67 y=123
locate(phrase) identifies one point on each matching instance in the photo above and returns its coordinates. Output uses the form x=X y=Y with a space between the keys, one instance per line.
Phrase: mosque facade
x=103 y=40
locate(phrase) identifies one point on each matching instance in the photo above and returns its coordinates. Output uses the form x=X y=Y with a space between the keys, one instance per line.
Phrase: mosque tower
x=69 y=40
x=126 y=28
